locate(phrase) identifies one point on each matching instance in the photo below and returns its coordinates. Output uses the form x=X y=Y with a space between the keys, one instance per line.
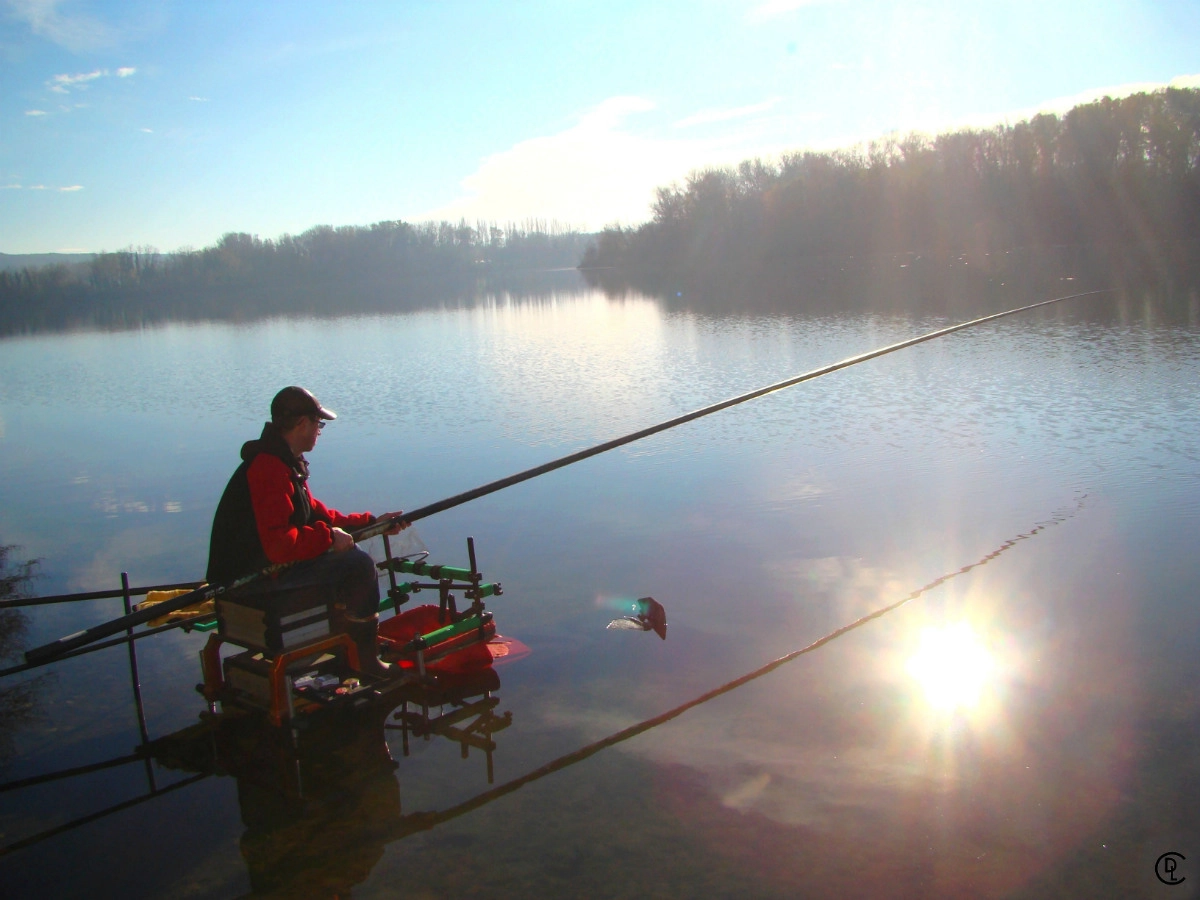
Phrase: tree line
x=326 y=270
x=1120 y=178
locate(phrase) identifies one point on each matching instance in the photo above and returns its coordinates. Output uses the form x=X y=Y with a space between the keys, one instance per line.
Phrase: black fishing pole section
x=97 y=595
x=87 y=636
x=184 y=623
x=62 y=646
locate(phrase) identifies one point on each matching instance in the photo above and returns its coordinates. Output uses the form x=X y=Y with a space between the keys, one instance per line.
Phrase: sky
x=165 y=123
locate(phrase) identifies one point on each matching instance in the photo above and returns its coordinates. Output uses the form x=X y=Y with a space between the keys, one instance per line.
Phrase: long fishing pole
x=457 y=500
x=72 y=641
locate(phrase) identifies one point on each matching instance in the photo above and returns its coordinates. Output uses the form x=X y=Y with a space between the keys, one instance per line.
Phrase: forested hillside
x=1118 y=178
x=387 y=265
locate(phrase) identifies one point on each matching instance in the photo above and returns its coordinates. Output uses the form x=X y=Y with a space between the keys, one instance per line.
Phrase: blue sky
x=166 y=123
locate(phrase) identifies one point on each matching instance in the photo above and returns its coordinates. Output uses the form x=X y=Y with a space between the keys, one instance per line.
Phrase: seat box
x=275 y=621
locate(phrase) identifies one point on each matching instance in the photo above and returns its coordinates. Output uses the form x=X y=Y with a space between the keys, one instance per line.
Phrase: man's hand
x=398 y=526
x=341 y=540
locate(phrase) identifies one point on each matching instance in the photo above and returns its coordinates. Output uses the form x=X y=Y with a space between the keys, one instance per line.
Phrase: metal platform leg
x=210 y=667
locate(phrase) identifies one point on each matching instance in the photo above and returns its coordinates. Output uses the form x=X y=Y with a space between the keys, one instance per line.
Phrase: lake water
x=1026 y=728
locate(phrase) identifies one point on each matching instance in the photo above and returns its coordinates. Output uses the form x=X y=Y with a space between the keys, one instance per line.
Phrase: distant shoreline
x=13 y=262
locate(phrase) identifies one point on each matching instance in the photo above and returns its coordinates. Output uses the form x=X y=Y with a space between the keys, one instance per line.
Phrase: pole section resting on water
x=79 y=639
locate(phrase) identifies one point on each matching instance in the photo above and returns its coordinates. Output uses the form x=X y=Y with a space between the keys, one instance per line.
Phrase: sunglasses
x=321 y=423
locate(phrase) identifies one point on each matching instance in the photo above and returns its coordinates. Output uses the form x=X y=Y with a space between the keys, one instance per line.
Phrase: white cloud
x=708 y=116
x=612 y=111
x=1056 y=106
x=70 y=189
x=35 y=112
x=198 y=99
x=61 y=84
x=147 y=130
x=773 y=9
x=74 y=32
x=1062 y=104
x=590 y=175
x=601 y=170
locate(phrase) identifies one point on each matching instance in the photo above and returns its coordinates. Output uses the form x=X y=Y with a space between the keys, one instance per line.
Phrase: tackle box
x=318 y=679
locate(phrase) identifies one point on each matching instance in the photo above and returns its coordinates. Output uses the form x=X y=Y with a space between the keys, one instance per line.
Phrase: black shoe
x=364 y=635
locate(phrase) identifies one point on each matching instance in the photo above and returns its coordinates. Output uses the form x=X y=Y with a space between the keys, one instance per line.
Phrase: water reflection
x=910 y=283
x=760 y=529
x=953 y=668
x=961 y=783
x=18 y=701
x=114 y=312
x=319 y=804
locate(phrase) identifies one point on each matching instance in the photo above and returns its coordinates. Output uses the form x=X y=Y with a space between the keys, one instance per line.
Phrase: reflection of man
x=317 y=823
x=267 y=515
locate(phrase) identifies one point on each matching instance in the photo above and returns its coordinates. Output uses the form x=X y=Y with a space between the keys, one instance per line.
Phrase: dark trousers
x=348 y=579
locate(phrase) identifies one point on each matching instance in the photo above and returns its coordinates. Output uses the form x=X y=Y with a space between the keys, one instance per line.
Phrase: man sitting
x=268 y=515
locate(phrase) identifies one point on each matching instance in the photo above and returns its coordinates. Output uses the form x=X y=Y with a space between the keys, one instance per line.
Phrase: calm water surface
x=1027 y=728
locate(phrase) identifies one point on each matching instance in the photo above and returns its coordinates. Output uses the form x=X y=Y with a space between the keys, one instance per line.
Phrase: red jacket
x=267 y=514
x=270 y=482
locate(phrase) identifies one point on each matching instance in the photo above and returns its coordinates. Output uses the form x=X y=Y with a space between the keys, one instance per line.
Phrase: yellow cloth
x=153 y=598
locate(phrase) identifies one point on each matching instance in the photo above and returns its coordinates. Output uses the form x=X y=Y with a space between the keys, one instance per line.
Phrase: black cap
x=296 y=401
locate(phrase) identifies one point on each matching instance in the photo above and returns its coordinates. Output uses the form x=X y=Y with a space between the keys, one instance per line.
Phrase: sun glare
x=953 y=666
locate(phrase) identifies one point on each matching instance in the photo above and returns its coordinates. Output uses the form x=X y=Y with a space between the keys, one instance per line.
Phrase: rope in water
x=625 y=734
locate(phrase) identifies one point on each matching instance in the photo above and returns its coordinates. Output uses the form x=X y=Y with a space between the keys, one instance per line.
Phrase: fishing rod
x=96 y=632
x=459 y=499
x=185 y=623
x=97 y=595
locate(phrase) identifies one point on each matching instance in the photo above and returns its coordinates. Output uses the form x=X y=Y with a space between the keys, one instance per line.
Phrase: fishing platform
x=290 y=660
x=292 y=663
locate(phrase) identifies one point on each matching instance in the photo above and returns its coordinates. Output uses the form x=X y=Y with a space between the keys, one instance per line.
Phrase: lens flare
x=617 y=603
x=953 y=666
